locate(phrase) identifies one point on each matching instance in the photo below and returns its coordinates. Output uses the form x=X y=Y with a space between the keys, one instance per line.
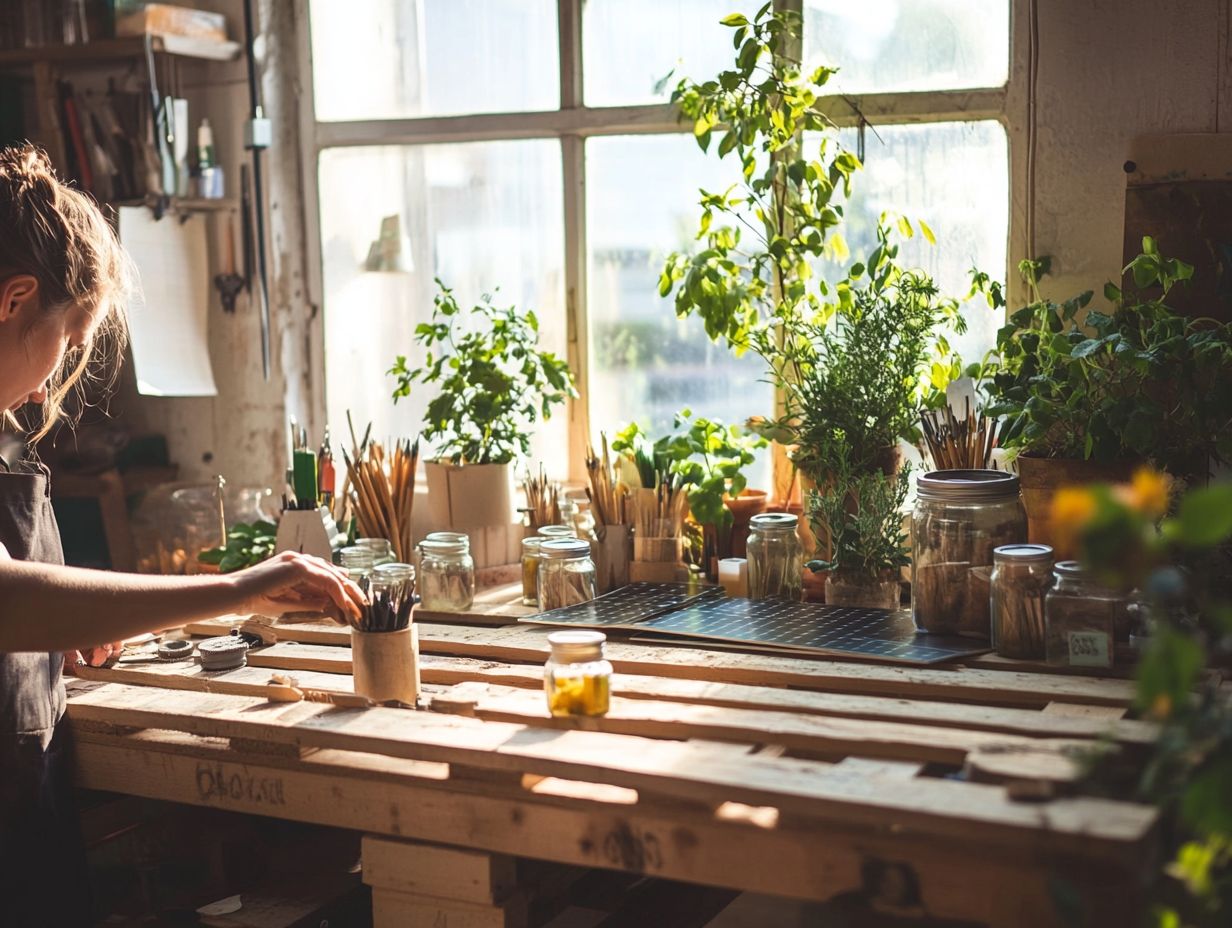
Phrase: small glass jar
x=566 y=573
x=356 y=561
x=1081 y=617
x=775 y=556
x=391 y=593
x=556 y=531
x=530 y=569
x=382 y=550
x=1021 y=575
x=446 y=573
x=960 y=516
x=577 y=679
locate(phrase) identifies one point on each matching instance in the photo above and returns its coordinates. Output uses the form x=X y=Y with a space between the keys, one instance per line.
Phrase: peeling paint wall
x=1108 y=71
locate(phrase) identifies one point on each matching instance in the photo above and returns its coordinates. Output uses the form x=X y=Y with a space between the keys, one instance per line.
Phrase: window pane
x=631 y=44
x=404 y=58
x=954 y=176
x=890 y=45
x=480 y=216
x=645 y=364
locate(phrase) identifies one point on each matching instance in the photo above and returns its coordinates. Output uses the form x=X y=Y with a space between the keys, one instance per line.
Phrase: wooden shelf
x=106 y=50
x=184 y=204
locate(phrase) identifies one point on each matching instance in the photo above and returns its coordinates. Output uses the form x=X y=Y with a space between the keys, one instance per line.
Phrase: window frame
x=573 y=122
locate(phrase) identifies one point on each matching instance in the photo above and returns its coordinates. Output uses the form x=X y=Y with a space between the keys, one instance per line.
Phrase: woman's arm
x=51 y=608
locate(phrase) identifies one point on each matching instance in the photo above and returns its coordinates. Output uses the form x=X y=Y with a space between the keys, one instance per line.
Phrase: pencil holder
x=385 y=665
x=303 y=530
x=610 y=551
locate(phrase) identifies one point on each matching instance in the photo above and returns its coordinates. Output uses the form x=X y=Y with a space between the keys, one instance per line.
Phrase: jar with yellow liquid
x=577 y=678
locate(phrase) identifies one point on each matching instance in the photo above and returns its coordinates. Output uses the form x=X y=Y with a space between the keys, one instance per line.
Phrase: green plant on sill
x=1138 y=382
x=494 y=383
x=704 y=455
x=247 y=544
x=862 y=515
x=752 y=280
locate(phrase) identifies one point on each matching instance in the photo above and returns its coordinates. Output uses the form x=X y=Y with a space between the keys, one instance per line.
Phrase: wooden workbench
x=935 y=792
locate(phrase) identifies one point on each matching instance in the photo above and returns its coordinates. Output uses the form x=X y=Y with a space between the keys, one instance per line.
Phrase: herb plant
x=1139 y=381
x=494 y=383
x=247 y=544
x=862 y=515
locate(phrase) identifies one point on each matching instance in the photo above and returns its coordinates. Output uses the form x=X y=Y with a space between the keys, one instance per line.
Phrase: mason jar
x=960 y=517
x=530 y=569
x=776 y=557
x=446 y=573
x=382 y=550
x=577 y=679
x=551 y=532
x=1021 y=575
x=356 y=561
x=1082 y=617
x=566 y=573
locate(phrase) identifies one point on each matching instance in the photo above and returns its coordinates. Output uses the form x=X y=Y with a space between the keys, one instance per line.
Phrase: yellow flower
x=1149 y=492
x=1161 y=708
x=1072 y=509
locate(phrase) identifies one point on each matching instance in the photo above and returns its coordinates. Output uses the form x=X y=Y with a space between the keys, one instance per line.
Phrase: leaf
x=734 y=19
x=1205 y=516
x=926 y=231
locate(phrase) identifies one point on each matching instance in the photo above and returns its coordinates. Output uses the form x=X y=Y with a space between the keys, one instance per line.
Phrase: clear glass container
x=960 y=517
x=1081 y=617
x=1021 y=575
x=530 y=570
x=556 y=531
x=356 y=561
x=857 y=590
x=576 y=678
x=382 y=550
x=391 y=592
x=446 y=573
x=566 y=573
x=776 y=557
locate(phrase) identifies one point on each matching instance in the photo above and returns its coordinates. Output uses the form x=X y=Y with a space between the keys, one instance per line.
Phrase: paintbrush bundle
x=609 y=498
x=658 y=521
x=959 y=444
x=391 y=598
x=542 y=500
x=380 y=488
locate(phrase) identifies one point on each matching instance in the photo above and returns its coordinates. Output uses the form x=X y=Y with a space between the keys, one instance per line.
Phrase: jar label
x=1089 y=649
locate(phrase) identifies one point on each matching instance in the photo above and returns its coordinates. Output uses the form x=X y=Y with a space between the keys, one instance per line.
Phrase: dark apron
x=43 y=876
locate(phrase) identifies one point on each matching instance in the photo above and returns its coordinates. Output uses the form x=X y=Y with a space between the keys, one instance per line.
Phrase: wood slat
x=526 y=644
x=1098 y=828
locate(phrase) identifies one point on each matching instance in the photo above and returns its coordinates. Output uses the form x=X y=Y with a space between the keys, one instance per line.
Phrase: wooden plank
x=897 y=770
x=813 y=735
x=529 y=645
x=498 y=605
x=436 y=870
x=1077 y=711
x=1097 y=827
x=791 y=859
x=393 y=909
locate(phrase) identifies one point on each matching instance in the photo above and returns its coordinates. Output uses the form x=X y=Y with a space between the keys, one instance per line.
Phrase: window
x=522 y=144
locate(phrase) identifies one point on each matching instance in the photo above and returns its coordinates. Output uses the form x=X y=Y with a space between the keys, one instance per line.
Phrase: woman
x=63 y=283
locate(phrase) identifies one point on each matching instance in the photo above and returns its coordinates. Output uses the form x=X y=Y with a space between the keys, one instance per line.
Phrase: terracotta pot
x=882 y=591
x=743 y=507
x=1040 y=478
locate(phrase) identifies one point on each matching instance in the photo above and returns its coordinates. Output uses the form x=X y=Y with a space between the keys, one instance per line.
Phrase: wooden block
x=1079 y=711
x=392 y=909
x=892 y=769
x=435 y=870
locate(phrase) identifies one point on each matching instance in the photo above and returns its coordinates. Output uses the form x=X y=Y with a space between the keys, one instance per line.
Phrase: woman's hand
x=98 y=656
x=291 y=582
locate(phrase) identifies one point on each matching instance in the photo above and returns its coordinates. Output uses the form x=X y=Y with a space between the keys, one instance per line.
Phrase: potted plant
x=862 y=515
x=1089 y=399
x=493 y=384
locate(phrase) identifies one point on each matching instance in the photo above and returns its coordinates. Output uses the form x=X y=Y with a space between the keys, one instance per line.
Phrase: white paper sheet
x=168 y=318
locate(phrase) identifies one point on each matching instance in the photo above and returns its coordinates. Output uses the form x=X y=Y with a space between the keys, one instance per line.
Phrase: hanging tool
x=229 y=284
x=257 y=137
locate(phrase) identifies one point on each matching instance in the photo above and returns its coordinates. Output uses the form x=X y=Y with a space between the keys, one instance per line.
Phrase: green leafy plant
x=862 y=515
x=494 y=383
x=247 y=544
x=753 y=282
x=1139 y=381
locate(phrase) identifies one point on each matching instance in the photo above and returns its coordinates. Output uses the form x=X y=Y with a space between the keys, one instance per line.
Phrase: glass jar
x=391 y=593
x=863 y=591
x=960 y=517
x=566 y=573
x=530 y=569
x=556 y=531
x=775 y=556
x=356 y=561
x=446 y=573
x=1021 y=575
x=1081 y=616
x=577 y=679
x=382 y=550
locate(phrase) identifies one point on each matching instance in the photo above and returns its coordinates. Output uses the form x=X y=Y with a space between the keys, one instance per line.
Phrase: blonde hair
x=59 y=236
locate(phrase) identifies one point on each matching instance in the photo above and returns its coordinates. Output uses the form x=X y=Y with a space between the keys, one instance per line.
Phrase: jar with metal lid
x=446 y=573
x=776 y=557
x=382 y=550
x=556 y=531
x=566 y=573
x=356 y=561
x=960 y=517
x=577 y=678
x=1082 y=617
x=392 y=594
x=1021 y=575
x=530 y=569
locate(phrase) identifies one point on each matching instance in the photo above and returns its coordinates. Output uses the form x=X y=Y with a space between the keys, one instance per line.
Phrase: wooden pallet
x=925 y=792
